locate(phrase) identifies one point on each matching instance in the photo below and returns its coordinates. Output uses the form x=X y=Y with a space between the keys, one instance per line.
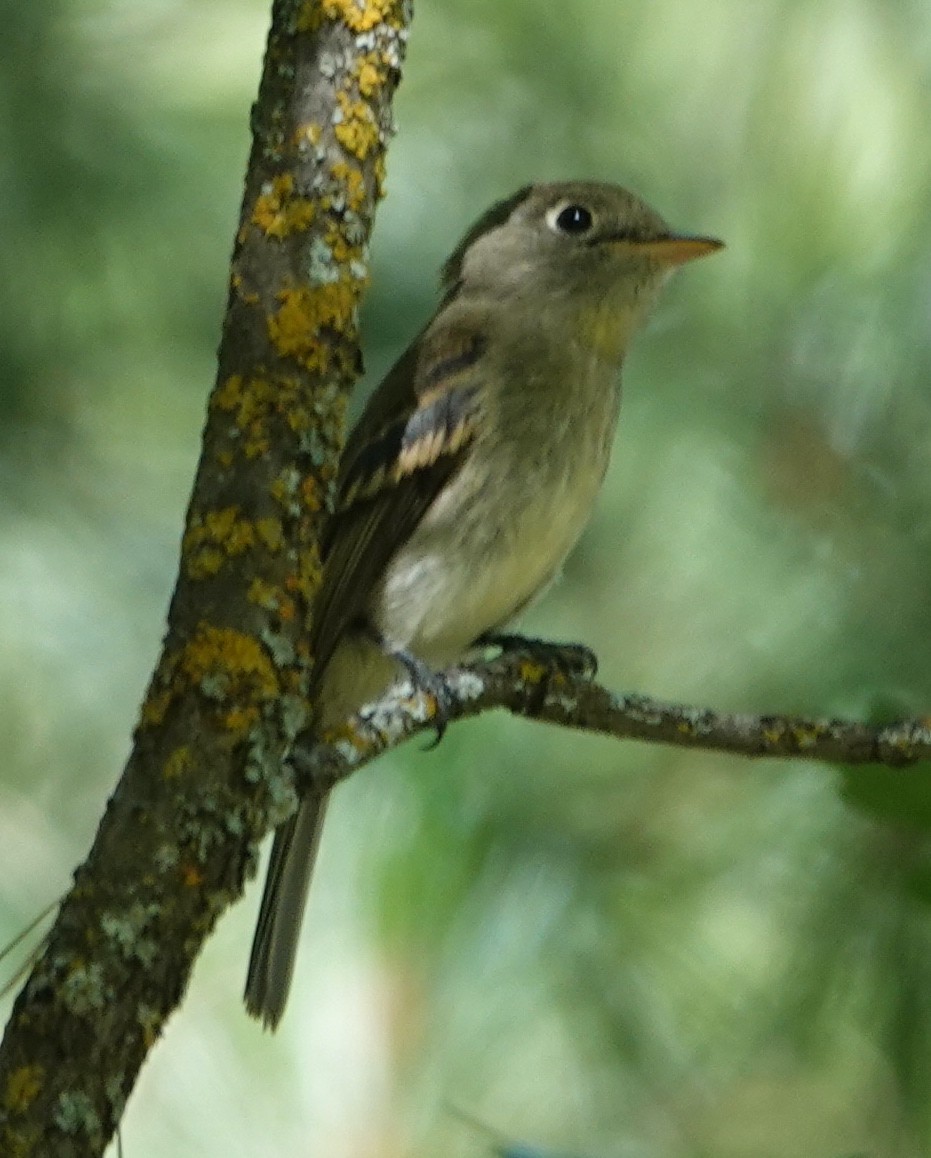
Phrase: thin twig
x=523 y=685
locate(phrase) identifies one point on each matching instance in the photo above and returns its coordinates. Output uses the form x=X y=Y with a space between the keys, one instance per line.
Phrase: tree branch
x=522 y=684
x=208 y=774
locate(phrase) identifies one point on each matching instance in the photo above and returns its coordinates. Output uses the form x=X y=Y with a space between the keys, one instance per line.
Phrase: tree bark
x=208 y=775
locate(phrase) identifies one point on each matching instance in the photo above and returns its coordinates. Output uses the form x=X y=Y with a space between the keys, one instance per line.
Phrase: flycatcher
x=471 y=474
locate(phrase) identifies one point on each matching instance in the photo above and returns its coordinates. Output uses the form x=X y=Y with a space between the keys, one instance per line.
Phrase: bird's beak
x=676 y=248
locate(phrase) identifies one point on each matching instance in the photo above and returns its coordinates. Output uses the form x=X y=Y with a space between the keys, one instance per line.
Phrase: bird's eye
x=572 y=219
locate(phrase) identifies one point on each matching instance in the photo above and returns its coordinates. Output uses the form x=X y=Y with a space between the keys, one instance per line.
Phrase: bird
x=470 y=475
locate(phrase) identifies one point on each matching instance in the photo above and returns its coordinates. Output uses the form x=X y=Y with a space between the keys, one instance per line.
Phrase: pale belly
x=463 y=575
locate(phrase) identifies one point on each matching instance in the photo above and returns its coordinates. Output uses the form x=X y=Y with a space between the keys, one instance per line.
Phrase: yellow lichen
x=357 y=15
x=271 y=533
x=155 y=708
x=310 y=494
x=369 y=74
x=306 y=579
x=23 y=1087
x=298 y=420
x=213 y=537
x=805 y=737
x=310 y=17
x=280 y=490
x=263 y=594
x=206 y=563
x=228 y=395
x=271 y=598
x=296 y=327
x=278 y=212
x=352 y=182
x=254 y=403
x=357 y=131
x=293 y=327
x=226 y=527
x=342 y=250
x=235 y=660
x=180 y=761
x=241 y=719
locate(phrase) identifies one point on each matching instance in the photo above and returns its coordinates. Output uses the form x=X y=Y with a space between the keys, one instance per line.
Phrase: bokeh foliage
x=602 y=949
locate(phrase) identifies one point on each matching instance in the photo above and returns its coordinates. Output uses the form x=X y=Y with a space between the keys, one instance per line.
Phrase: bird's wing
x=411 y=439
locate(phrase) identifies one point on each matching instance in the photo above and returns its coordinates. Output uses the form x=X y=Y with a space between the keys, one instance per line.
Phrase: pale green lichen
x=279 y=646
x=267 y=770
x=75 y=1114
x=294 y=713
x=114 y=1088
x=126 y=930
x=83 y=991
x=166 y=858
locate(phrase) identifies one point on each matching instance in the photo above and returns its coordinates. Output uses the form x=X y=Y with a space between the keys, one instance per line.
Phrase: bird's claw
x=431 y=683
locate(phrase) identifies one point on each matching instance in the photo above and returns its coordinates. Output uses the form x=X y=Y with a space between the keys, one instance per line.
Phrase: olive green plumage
x=472 y=471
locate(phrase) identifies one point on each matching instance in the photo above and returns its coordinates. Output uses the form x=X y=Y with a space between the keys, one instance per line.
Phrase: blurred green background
x=602 y=949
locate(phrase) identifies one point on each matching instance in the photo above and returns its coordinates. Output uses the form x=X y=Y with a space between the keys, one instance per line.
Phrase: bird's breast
x=499 y=532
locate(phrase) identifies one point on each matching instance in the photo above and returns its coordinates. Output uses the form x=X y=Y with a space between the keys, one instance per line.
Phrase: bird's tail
x=274 y=947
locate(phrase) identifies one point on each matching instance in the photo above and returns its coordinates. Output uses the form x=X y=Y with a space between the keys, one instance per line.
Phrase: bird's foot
x=569 y=659
x=430 y=683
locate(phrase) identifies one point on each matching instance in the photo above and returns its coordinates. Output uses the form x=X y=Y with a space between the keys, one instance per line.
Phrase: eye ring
x=571 y=219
